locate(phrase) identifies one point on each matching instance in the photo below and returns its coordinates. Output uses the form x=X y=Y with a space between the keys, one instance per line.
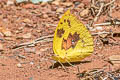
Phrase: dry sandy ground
x=23 y=23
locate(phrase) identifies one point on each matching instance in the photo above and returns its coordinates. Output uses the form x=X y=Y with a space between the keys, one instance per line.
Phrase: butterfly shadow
x=57 y=64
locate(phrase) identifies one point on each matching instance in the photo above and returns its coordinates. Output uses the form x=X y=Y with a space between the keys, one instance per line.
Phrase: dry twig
x=41 y=39
x=102 y=5
x=99 y=33
x=112 y=22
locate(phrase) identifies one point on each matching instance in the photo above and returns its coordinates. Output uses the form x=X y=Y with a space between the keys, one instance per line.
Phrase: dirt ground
x=26 y=22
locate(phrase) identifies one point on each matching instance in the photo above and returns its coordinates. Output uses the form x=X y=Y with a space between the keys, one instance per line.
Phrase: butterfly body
x=72 y=41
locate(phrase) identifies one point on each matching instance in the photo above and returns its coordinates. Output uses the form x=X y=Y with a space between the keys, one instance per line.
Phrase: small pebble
x=19 y=65
x=45 y=16
x=56 y=2
x=10 y=2
x=38 y=67
x=59 y=10
x=27 y=20
x=84 y=13
x=7 y=33
x=99 y=28
x=26 y=36
x=81 y=5
x=30 y=50
x=31 y=63
x=31 y=78
x=67 y=4
x=1 y=47
x=77 y=3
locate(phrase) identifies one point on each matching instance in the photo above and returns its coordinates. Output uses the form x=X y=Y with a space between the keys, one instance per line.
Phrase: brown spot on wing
x=69 y=23
x=60 y=32
x=75 y=39
x=61 y=23
x=64 y=20
x=71 y=41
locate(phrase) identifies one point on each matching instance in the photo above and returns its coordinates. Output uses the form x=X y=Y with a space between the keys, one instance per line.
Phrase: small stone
x=1 y=47
x=43 y=49
x=43 y=4
x=7 y=33
x=45 y=16
x=38 y=67
x=1 y=34
x=30 y=50
x=77 y=3
x=59 y=10
x=27 y=36
x=103 y=35
x=56 y=2
x=81 y=5
x=114 y=59
x=31 y=63
x=31 y=78
x=28 y=6
x=10 y=2
x=27 y=20
x=68 y=4
x=99 y=28
x=84 y=13
x=19 y=65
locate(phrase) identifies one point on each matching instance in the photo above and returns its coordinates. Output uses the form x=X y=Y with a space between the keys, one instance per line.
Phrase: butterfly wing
x=72 y=41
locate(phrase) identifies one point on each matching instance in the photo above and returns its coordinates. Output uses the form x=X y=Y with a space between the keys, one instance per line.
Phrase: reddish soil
x=27 y=22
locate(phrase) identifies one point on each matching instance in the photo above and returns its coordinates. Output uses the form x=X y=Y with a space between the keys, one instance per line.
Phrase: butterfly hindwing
x=72 y=41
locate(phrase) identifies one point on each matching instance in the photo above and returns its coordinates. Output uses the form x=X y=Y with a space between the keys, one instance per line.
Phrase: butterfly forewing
x=72 y=41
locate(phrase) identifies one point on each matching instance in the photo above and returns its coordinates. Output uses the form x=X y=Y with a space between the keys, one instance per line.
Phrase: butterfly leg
x=69 y=63
x=53 y=65
x=62 y=65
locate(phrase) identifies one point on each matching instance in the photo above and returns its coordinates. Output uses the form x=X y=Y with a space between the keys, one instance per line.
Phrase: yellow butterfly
x=72 y=41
